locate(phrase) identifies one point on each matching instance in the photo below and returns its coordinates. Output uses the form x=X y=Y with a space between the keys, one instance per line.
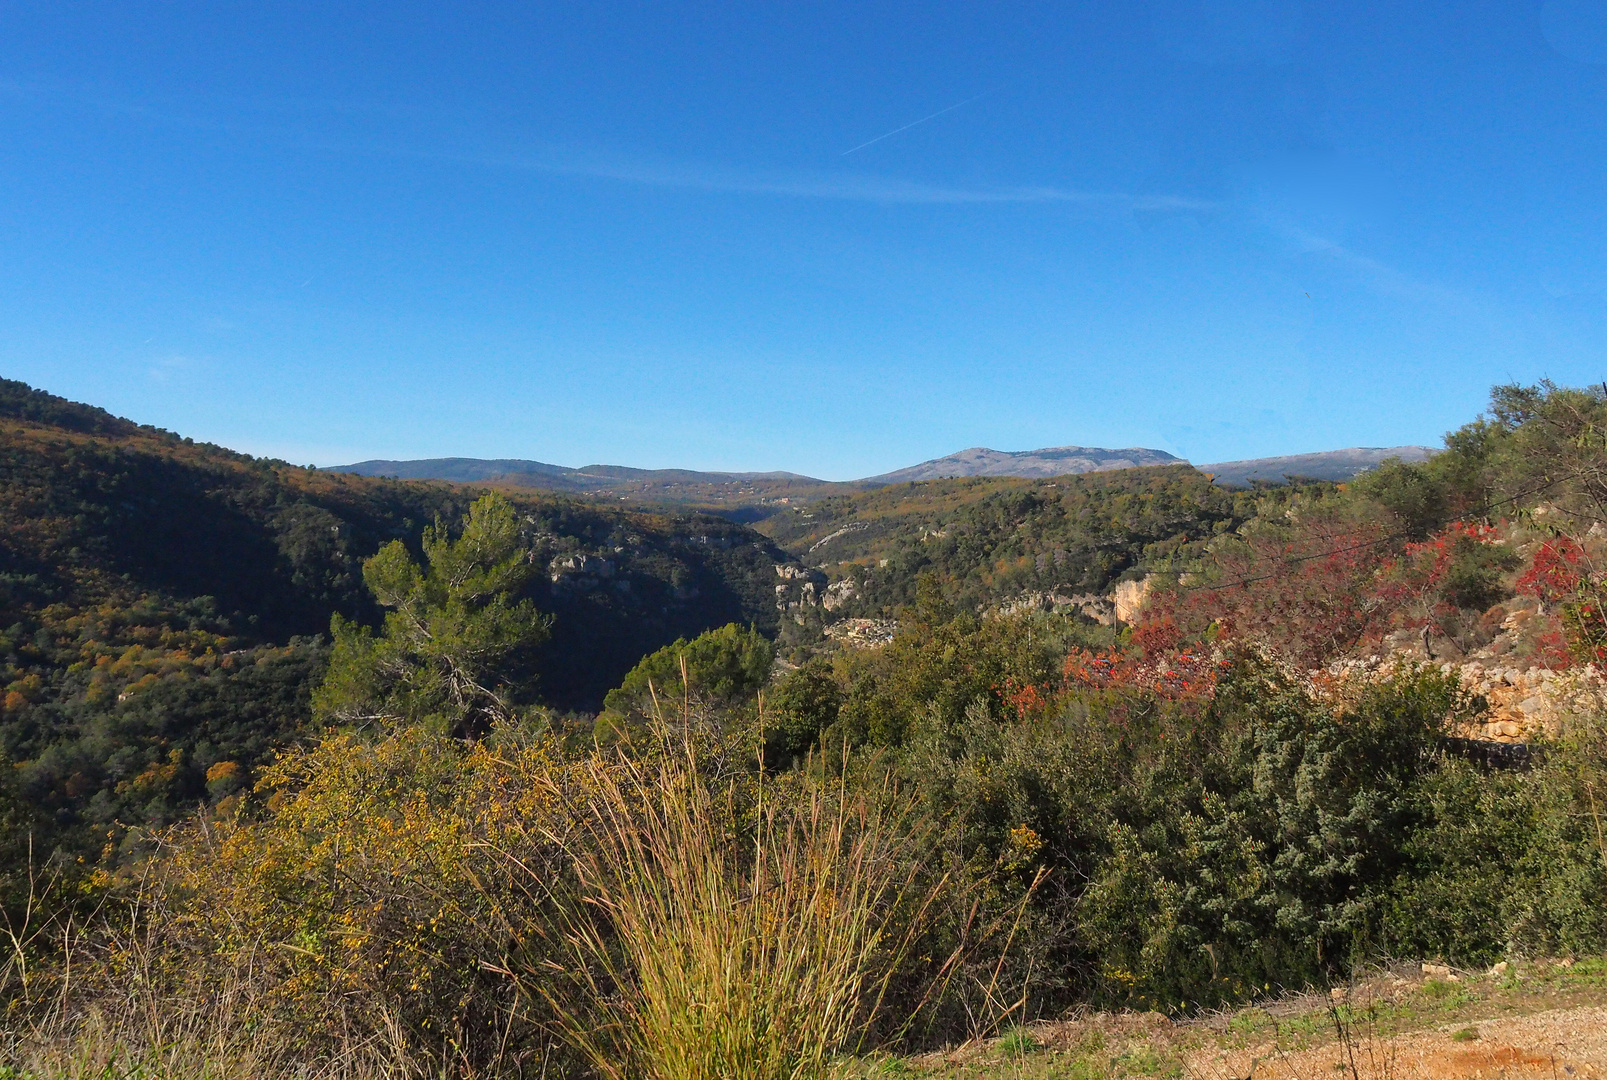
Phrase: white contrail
x=916 y=123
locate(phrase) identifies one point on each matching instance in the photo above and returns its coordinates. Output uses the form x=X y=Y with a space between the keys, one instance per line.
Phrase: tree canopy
x=721 y=666
x=453 y=627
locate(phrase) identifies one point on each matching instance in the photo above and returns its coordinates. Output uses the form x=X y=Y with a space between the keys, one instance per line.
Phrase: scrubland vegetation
x=785 y=859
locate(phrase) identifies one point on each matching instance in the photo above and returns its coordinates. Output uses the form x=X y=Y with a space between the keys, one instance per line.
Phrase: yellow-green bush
x=374 y=898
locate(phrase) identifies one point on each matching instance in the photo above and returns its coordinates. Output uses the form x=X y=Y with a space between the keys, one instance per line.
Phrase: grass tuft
x=721 y=949
x=1017 y=1042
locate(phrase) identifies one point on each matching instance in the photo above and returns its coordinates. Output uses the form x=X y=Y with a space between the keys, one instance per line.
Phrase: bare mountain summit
x=1337 y=465
x=1053 y=461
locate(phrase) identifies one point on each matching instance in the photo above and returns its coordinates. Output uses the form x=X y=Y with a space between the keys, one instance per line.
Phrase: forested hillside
x=991 y=540
x=162 y=603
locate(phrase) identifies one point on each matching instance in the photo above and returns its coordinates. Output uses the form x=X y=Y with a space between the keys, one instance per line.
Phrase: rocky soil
x=1543 y=1018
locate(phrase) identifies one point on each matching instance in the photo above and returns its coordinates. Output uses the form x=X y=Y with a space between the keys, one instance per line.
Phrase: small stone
x=1338 y=993
x=1499 y=969
x=1436 y=971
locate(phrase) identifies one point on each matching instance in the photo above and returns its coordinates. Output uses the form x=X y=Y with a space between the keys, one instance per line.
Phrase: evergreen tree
x=448 y=654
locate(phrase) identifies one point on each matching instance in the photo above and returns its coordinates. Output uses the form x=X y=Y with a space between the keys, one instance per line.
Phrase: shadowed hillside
x=162 y=603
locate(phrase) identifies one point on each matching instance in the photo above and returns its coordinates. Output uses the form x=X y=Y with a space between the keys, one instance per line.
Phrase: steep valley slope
x=161 y=601
x=990 y=541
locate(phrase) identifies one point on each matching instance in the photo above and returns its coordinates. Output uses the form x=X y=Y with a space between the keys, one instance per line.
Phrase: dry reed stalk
x=700 y=957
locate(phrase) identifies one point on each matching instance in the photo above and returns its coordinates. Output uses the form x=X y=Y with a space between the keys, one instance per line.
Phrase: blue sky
x=656 y=234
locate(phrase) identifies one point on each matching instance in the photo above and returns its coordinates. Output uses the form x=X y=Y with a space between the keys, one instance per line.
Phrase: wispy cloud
x=441 y=140
x=1380 y=274
x=164 y=368
x=1492 y=317
x=839 y=186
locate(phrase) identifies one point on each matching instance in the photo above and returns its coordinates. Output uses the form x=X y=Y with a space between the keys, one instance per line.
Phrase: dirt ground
x=1554 y=1043
x=1543 y=1019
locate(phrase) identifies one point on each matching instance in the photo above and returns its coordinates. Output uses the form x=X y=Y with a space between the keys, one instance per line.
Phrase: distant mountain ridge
x=480 y=470
x=1050 y=461
x=1334 y=465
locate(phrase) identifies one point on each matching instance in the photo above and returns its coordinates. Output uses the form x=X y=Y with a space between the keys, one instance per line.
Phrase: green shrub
x=1258 y=841
x=1017 y=1042
x=721 y=666
x=800 y=707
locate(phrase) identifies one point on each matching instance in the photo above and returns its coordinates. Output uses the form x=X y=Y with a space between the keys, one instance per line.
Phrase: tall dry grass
x=706 y=947
x=110 y=1009
x=125 y=1041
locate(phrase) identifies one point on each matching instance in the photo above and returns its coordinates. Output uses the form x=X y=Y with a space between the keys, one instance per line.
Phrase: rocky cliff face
x=1099 y=609
x=1525 y=705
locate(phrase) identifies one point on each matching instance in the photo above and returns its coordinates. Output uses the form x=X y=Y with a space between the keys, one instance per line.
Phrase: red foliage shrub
x=1554 y=573
x=1320 y=591
x=1158 y=634
x=1028 y=700
x=1310 y=596
x=1185 y=674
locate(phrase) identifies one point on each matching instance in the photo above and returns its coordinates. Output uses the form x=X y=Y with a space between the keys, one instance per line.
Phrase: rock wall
x=1129 y=597
x=1089 y=605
